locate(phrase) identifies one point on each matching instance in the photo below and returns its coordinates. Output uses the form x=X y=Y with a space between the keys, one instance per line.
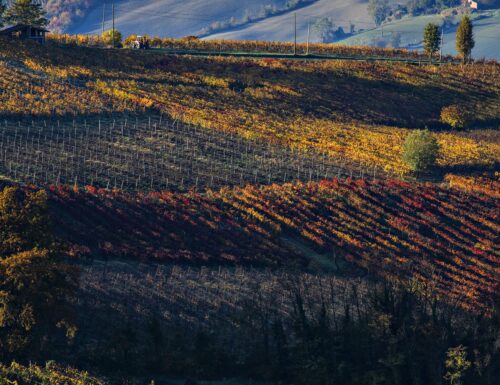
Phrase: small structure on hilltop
x=471 y=4
x=24 y=32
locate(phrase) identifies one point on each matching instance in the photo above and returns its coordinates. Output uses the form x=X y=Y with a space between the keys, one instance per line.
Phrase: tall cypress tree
x=26 y=12
x=465 y=38
x=431 y=39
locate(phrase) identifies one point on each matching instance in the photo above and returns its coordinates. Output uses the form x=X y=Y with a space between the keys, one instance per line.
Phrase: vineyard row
x=150 y=153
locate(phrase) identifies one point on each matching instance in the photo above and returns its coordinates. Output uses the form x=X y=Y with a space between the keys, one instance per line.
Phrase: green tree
x=431 y=39
x=378 y=10
x=110 y=35
x=465 y=39
x=456 y=364
x=26 y=12
x=34 y=284
x=420 y=150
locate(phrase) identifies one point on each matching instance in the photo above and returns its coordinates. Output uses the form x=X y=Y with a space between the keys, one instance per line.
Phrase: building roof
x=19 y=27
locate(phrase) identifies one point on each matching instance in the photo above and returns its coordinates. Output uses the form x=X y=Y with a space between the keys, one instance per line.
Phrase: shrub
x=130 y=40
x=455 y=116
x=420 y=150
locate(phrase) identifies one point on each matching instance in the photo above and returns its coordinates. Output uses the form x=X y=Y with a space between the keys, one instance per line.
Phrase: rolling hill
x=342 y=13
x=203 y=218
x=269 y=20
x=169 y=17
x=408 y=33
x=193 y=17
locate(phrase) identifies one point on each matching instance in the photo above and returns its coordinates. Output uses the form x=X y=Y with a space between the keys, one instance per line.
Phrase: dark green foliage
x=431 y=39
x=420 y=150
x=26 y=12
x=465 y=38
x=378 y=10
x=396 y=334
x=23 y=221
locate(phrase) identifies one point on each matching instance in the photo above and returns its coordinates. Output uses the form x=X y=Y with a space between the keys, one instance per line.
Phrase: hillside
x=348 y=108
x=281 y=28
x=169 y=17
x=447 y=241
x=269 y=20
x=202 y=273
x=407 y=33
x=251 y=20
x=179 y=217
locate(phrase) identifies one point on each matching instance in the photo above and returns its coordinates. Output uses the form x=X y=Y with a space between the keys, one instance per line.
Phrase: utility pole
x=103 y=16
x=308 y=36
x=113 y=30
x=295 y=40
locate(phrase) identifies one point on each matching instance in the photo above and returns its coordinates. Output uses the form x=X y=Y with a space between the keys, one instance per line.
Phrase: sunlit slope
x=168 y=17
x=281 y=28
x=351 y=110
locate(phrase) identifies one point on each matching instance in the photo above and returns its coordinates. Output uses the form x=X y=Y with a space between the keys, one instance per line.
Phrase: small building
x=24 y=32
x=472 y=4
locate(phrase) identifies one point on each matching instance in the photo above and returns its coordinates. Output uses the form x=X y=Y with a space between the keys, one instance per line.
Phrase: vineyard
x=248 y=46
x=150 y=154
x=343 y=109
x=208 y=298
x=229 y=218
x=439 y=237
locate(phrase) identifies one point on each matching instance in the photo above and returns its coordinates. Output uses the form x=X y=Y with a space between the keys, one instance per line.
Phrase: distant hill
x=172 y=17
x=408 y=33
x=281 y=28
x=232 y=19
